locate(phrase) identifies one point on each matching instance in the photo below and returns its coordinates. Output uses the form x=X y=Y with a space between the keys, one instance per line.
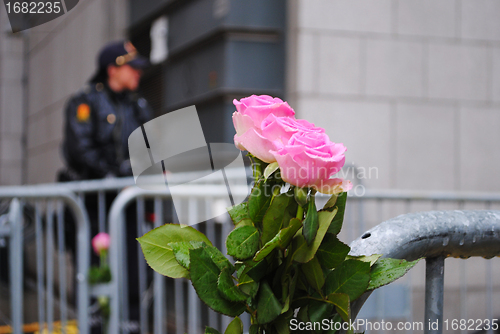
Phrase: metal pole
x=434 y=293
x=143 y=311
x=159 y=282
x=49 y=253
x=39 y=266
x=62 y=266
x=16 y=264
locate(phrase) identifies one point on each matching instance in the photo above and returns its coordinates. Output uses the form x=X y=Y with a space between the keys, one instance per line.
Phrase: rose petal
x=333 y=186
x=256 y=144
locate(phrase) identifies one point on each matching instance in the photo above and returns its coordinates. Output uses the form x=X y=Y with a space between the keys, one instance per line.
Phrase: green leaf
x=248 y=285
x=243 y=242
x=273 y=219
x=386 y=271
x=254 y=329
x=305 y=253
x=282 y=239
x=259 y=201
x=210 y=330
x=268 y=306
x=303 y=314
x=99 y=274
x=282 y=323
x=219 y=259
x=271 y=168
x=351 y=277
x=286 y=235
x=311 y=222
x=204 y=276
x=314 y=274
x=181 y=250
x=372 y=259
x=267 y=249
x=332 y=252
x=336 y=319
x=319 y=310
x=234 y=327
x=342 y=305
x=227 y=288
x=159 y=254
x=331 y=202
x=257 y=270
x=239 y=212
x=244 y=222
x=338 y=220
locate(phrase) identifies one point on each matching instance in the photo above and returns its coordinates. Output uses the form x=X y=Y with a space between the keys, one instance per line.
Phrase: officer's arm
x=81 y=148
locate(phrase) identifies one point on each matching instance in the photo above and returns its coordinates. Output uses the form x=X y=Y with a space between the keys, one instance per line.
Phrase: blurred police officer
x=101 y=117
x=99 y=120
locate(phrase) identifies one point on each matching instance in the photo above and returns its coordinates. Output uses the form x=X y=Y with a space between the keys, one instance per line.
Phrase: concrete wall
x=62 y=56
x=11 y=120
x=410 y=87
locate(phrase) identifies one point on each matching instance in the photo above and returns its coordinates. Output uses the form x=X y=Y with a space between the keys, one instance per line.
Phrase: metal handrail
x=83 y=227
x=117 y=221
x=434 y=235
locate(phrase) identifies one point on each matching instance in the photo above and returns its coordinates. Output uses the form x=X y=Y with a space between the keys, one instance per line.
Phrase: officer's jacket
x=98 y=124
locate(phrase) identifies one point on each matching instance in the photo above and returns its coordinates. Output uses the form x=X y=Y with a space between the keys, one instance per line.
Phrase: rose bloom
x=247 y=120
x=310 y=159
x=279 y=130
x=100 y=242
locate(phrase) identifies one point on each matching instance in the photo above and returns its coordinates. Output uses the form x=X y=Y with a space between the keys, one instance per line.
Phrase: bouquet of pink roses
x=289 y=265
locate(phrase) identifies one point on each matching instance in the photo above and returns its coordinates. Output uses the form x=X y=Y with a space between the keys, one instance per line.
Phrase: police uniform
x=100 y=120
x=98 y=124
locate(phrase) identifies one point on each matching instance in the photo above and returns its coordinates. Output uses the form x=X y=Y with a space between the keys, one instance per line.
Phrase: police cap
x=121 y=53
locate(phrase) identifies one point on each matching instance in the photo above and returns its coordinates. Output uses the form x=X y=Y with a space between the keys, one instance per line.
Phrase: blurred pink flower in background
x=100 y=242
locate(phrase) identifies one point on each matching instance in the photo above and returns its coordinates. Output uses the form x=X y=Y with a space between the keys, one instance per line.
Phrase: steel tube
x=143 y=307
x=39 y=266
x=16 y=264
x=49 y=238
x=83 y=240
x=434 y=294
x=62 y=266
x=159 y=281
x=193 y=300
x=431 y=234
x=101 y=207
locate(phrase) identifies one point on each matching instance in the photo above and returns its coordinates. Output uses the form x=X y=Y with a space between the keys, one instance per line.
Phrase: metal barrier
x=57 y=196
x=357 y=206
x=179 y=298
x=73 y=195
x=192 y=195
x=395 y=301
x=434 y=235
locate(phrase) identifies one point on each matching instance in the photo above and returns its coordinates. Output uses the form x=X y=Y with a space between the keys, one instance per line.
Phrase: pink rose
x=309 y=159
x=100 y=242
x=259 y=107
x=251 y=111
x=279 y=130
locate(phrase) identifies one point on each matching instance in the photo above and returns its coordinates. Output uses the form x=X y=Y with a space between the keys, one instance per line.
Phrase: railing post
x=434 y=293
x=16 y=264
